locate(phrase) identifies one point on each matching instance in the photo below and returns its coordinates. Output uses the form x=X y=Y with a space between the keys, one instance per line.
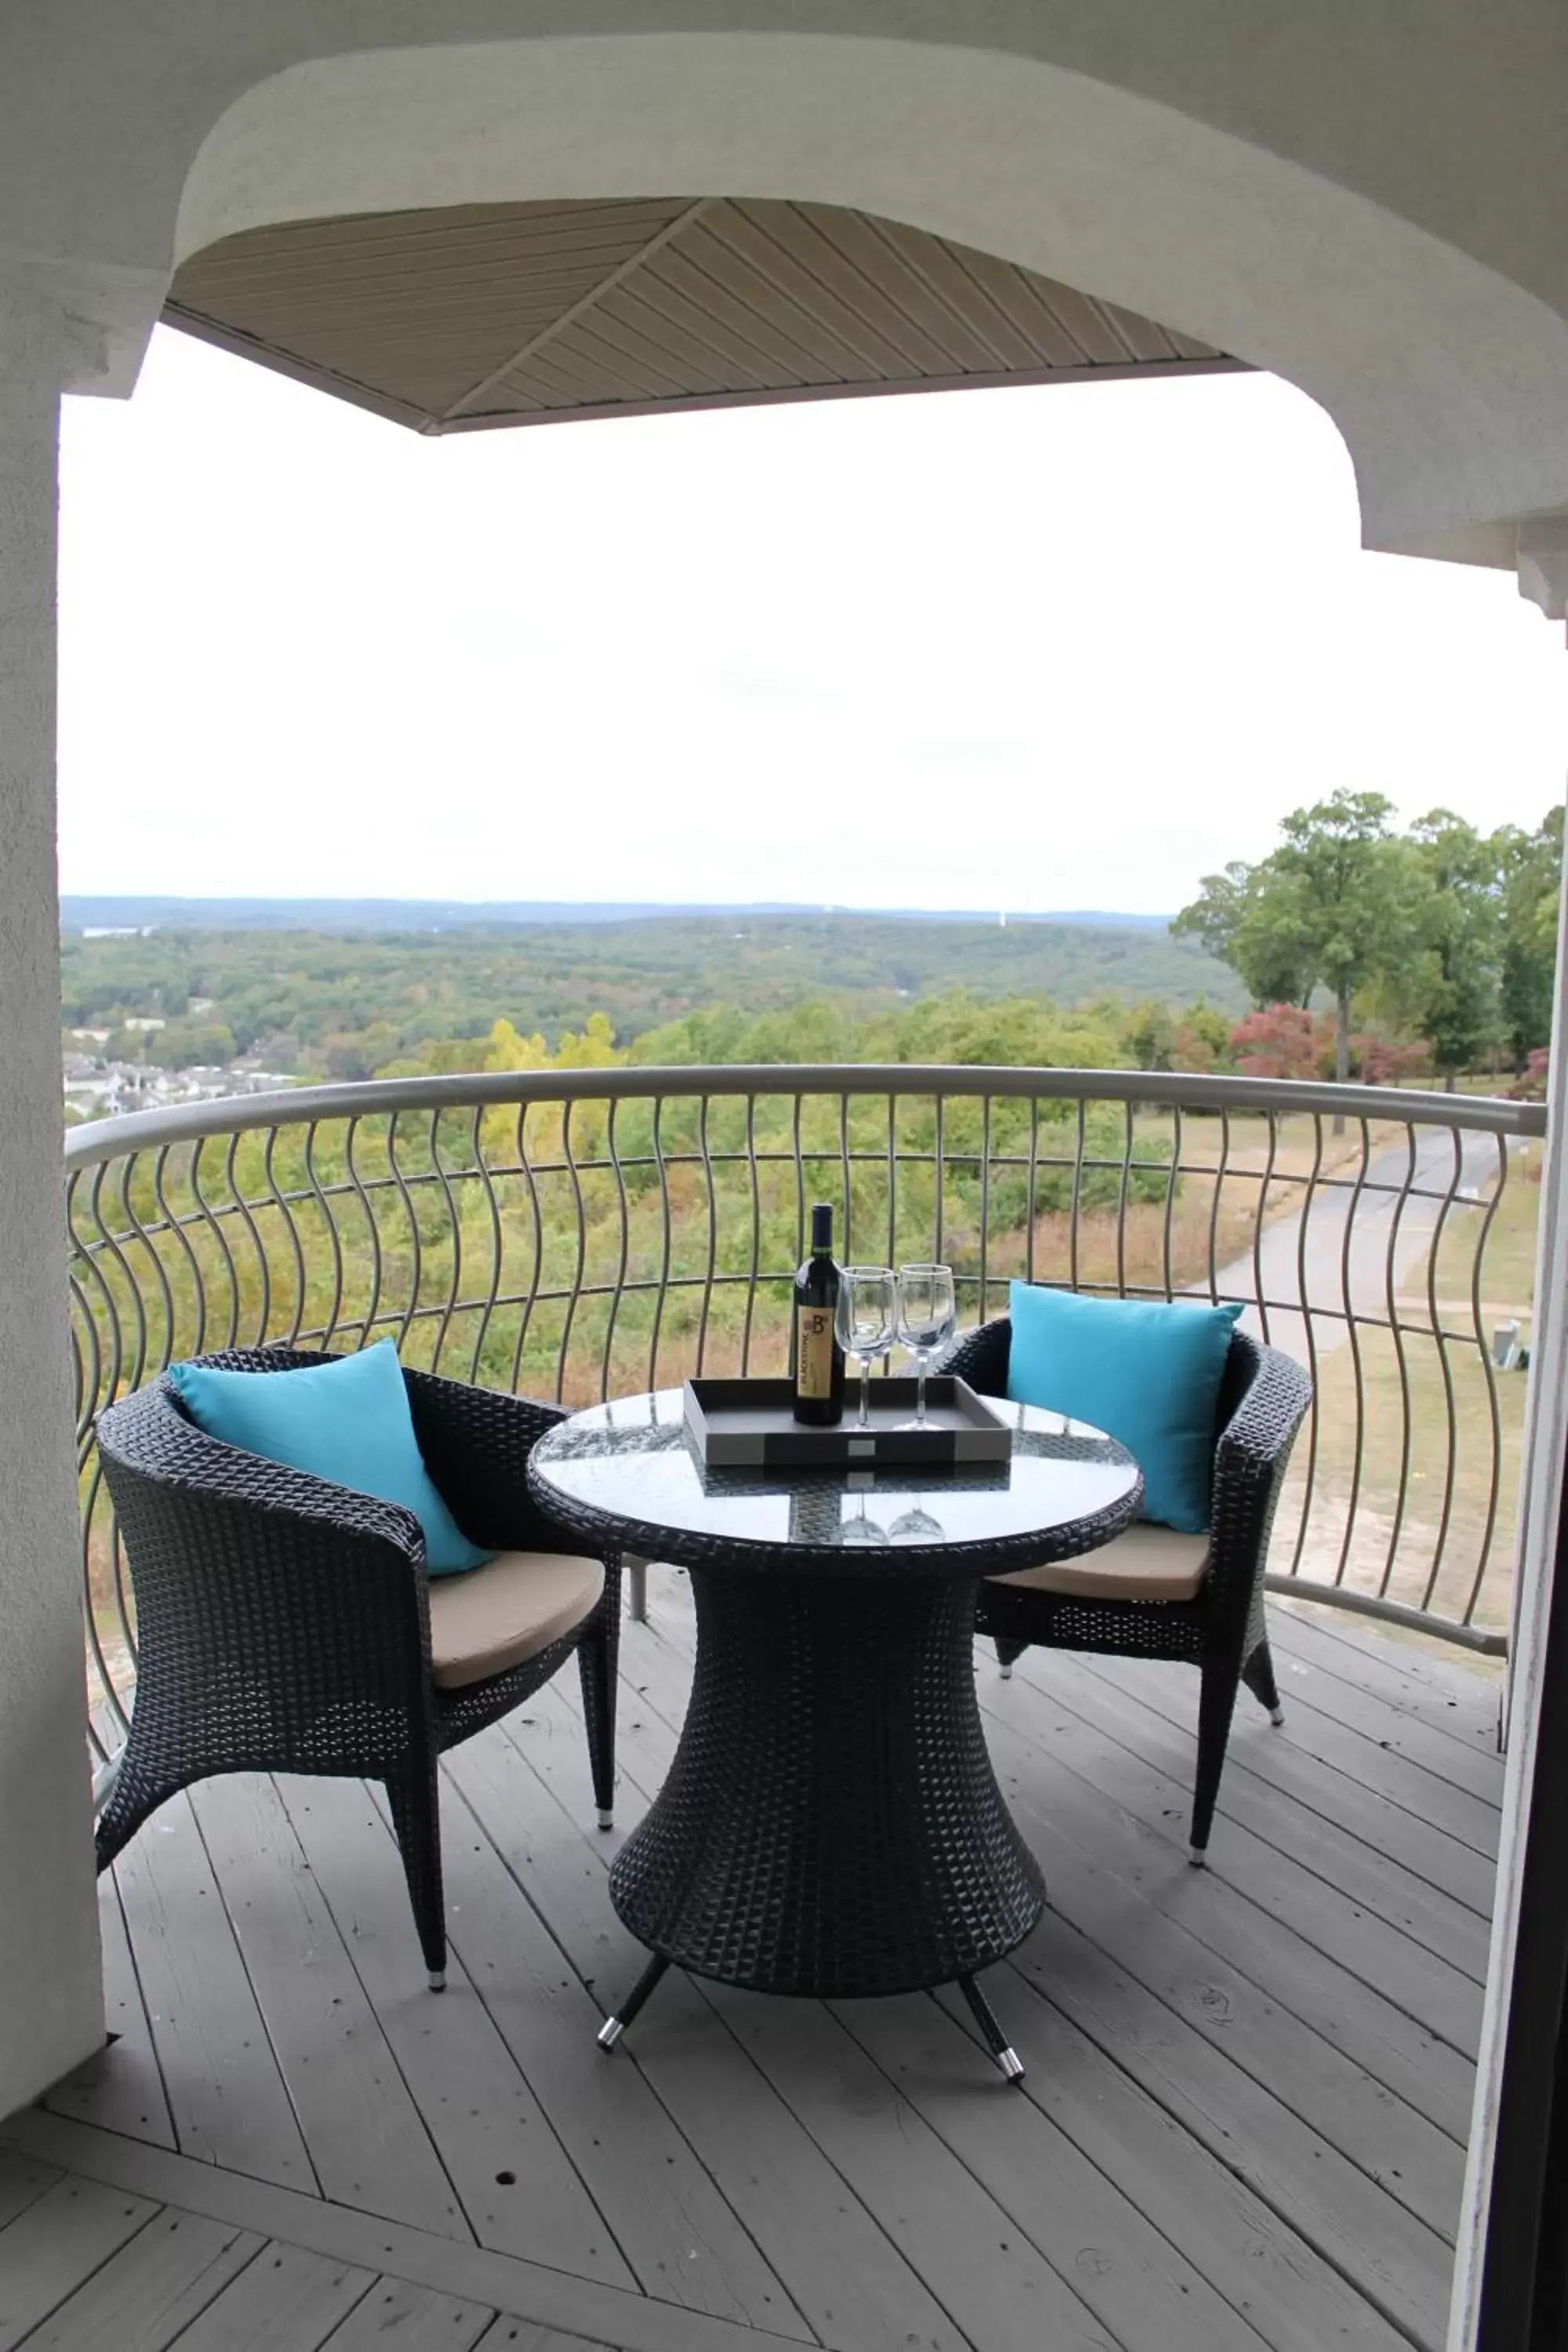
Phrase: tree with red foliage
x=1278 y=1041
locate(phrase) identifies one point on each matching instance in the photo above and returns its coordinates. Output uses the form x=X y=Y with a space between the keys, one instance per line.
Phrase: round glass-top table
x=831 y=1824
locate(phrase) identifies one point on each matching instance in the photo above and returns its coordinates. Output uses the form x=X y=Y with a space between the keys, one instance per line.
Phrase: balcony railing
x=583 y=1233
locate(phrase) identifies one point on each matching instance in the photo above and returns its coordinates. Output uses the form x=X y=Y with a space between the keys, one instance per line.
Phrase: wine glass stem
x=865 y=1421
x=920 y=1391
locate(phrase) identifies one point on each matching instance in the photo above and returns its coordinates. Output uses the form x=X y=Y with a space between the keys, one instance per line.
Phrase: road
x=1298 y=1273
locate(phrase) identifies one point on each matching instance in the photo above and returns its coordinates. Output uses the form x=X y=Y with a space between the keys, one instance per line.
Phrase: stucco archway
x=1440 y=373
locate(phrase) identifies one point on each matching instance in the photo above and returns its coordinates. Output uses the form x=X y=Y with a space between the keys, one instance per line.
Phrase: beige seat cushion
x=1148 y=1563
x=491 y=1618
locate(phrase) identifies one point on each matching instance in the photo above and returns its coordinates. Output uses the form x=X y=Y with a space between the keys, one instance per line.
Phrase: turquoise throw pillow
x=1147 y=1373
x=347 y=1421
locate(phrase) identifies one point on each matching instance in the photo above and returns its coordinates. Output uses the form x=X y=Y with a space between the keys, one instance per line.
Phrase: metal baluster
x=1391 y=1297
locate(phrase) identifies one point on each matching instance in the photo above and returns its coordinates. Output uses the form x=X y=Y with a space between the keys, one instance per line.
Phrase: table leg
x=996 y=2041
x=614 y=2027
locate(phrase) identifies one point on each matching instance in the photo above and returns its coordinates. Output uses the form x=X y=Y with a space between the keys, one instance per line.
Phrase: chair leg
x=1006 y=1653
x=1216 y=1705
x=597 y=1656
x=130 y=1798
x=1257 y=1674
x=417 y=1818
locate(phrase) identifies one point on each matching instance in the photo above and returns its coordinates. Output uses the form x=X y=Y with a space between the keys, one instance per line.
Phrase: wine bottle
x=819 y=1358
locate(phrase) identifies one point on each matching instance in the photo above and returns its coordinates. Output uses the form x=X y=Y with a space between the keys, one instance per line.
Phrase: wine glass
x=859 y=1529
x=867 y=1320
x=915 y=1525
x=927 y=1317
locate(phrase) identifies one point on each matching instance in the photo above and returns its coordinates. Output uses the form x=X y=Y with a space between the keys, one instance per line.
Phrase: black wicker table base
x=831 y=1825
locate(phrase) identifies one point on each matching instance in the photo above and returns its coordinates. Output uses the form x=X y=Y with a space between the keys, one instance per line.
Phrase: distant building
x=95 y=1089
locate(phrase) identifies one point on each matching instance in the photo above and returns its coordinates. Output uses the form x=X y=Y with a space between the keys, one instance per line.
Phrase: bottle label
x=814 y=1351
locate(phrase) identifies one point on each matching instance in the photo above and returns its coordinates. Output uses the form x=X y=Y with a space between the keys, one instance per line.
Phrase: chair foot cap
x=1005 y=1672
x=1277 y=1715
x=606 y=1817
x=610 y=2033
x=438 y=1980
x=1198 y=1857
x=1012 y=2066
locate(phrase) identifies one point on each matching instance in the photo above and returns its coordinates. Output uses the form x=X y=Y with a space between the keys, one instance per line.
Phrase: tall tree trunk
x=1342 y=1049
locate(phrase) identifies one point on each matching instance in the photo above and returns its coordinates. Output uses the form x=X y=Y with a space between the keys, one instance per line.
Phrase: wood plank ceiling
x=522 y=314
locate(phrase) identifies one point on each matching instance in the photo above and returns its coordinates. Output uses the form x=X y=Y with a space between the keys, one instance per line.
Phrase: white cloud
x=1064 y=647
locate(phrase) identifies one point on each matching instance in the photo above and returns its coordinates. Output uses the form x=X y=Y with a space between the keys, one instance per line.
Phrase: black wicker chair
x=284 y=1623
x=1220 y=1626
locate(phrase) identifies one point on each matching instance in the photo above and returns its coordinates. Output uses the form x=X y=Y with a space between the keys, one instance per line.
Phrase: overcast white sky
x=1065 y=647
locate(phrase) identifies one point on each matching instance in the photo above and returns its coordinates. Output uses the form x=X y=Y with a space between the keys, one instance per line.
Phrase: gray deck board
x=1354 y=1798
x=1309 y=1911
x=121 y=2085
x=562 y=1866
x=1380 y=2035
x=228 y=2101
x=23 y=2180
x=368 y=2142
x=55 y=2244
x=1399 y=2265
x=154 y=2287
x=680 y=2233
x=1296 y=2300
x=1242 y=2125
x=631 y=2323
x=650 y=1737
x=518 y=2186
x=1093 y=1856
x=288 y=2300
x=1395 y=1727
x=505 y=2335
x=396 y=2318
x=923 y=2197
x=1453 y=1700
x=1328 y=1851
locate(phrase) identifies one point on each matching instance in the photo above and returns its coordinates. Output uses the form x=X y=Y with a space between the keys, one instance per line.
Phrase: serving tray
x=750 y=1425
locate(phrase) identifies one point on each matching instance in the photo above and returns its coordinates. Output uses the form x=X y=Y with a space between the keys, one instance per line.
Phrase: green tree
x=1351 y=892
x=1453 y=992
x=1252 y=920
x=1337 y=905
x=1530 y=868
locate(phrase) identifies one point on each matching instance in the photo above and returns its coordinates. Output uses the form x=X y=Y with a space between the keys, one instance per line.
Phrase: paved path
x=1292 y=1273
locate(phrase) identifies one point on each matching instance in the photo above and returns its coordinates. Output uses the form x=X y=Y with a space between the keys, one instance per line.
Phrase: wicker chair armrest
x=278 y=1614
x=476 y=1443
x=1255 y=1443
x=981 y=1357
x=1250 y=1457
x=169 y=1450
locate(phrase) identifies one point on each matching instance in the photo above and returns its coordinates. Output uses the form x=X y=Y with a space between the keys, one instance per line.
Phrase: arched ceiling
x=482 y=315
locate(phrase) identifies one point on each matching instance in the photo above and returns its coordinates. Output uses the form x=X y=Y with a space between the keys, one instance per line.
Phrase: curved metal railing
x=583 y=1233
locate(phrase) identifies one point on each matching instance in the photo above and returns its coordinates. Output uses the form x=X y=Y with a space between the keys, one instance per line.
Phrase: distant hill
x=344 y=995
x=337 y=916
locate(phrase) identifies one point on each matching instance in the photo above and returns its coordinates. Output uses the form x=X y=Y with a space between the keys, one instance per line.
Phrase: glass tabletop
x=632 y=1460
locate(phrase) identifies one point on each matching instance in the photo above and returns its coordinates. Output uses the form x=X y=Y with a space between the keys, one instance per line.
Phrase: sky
x=1067 y=646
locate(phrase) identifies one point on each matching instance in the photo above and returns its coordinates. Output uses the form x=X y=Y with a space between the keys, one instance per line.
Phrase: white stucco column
x=1542 y=565
x=51 y=2007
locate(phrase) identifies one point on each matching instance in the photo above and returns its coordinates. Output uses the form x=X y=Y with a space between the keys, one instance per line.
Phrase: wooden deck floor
x=1243 y=2123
